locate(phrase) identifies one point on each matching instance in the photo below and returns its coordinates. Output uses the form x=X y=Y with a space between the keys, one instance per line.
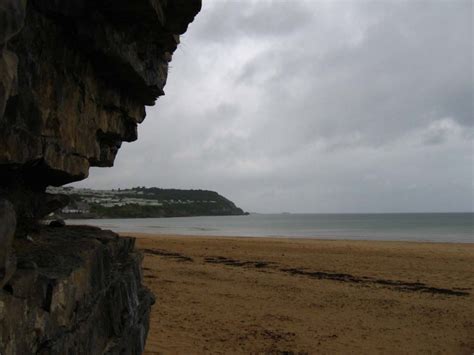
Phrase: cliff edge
x=75 y=77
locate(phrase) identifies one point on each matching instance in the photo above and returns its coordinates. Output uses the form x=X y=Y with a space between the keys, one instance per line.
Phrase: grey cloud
x=230 y=20
x=405 y=73
x=320 y=106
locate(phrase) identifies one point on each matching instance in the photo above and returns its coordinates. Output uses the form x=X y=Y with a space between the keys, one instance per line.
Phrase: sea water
x=431 y=227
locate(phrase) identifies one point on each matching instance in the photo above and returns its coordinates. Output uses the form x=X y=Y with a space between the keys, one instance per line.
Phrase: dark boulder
x=57 y=223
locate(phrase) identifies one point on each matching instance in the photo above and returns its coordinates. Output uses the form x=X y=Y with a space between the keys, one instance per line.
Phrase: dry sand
x=255 y=295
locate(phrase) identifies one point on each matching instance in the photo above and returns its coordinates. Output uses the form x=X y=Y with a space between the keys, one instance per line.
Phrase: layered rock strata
x=75 y=76
x=77 y=290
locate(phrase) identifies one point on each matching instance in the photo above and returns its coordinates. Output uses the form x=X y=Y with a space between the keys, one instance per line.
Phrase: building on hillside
x=76 y=208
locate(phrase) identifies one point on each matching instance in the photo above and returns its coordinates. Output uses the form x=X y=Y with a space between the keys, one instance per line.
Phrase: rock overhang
x=85 y=71
x=75 y=77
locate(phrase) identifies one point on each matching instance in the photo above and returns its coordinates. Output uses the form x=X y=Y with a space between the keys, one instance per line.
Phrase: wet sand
x=260 y=295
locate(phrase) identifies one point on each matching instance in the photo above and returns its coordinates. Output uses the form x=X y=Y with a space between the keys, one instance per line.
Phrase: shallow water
x=433 y=227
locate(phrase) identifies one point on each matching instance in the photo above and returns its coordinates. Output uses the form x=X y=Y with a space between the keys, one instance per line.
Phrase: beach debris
x=234 y=262
x=397 y=285
x=168 y=254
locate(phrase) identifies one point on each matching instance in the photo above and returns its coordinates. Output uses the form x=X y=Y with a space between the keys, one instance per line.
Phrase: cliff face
x=74 y=83
x=75 y=76
x=78 y=291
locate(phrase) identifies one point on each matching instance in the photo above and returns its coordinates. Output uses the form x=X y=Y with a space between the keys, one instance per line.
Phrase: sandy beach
x=261 y=295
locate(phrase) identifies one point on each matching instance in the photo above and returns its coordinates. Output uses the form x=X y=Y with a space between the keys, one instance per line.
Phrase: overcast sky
x=315 y=106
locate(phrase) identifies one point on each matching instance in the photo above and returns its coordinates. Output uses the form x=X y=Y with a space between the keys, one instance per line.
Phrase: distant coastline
x=142 y=202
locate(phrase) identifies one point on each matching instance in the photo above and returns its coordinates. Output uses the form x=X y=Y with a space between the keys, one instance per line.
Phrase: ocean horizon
x=418 y=227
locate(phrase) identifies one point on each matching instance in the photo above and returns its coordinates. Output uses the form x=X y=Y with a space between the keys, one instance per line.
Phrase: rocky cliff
x=78 y=291
x=75 y=76
x=74 y=79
